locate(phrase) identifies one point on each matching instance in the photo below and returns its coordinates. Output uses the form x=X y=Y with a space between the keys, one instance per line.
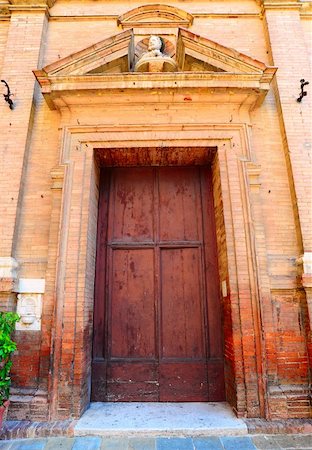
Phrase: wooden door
x=157 y=331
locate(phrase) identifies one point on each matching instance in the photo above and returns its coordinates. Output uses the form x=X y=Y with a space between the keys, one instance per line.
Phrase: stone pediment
x=155 y=16
x=199 y=63
x=203 y=54
x=113 y=51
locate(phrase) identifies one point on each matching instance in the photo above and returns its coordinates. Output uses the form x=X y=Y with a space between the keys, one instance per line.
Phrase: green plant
x=7 y=347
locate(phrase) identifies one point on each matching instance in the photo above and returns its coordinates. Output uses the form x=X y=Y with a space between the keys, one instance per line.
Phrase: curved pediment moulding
x=155 y=16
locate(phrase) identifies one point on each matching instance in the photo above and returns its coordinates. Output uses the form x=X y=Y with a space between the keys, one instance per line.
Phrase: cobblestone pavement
x=260 y=442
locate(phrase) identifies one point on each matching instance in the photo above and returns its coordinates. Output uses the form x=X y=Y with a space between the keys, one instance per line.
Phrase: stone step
x=159 y=419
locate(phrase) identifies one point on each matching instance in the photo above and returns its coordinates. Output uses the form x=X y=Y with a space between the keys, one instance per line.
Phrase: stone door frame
x=70 y=276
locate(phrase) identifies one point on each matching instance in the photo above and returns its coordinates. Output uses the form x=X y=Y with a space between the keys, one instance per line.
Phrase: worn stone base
x=28 y=404
x=286 y=426
x=21 y=429
x=290 y=402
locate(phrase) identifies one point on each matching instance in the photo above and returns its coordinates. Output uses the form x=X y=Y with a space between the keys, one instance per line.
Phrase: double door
x=157 y=330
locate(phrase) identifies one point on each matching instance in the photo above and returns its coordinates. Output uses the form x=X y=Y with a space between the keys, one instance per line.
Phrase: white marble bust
x=154 y=60
x=154 y=47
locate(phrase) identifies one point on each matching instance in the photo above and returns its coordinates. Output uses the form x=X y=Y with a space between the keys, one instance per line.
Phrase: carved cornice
x=90 y=89
x=306 y=10
x=7 y=6
x=4 y=10
x=280 y=4
x=33 y=3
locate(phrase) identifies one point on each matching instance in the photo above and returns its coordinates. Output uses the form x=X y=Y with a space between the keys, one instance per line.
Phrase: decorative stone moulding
x=155 y=64
x=8 y=267
x=6 y=6
x=156 y=15
x=8 y=273
x=281 y=4
x=307 y=262
x=33 y=3
x=4 y=10
x=87 y=74
x=29 y=303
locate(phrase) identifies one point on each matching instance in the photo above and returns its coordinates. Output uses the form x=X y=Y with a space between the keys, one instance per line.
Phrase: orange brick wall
x=4 y=28
x=307 y=31
x=22 y=53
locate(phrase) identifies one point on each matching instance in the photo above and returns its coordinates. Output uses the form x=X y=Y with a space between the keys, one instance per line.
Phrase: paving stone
x=290 y=441
x=266 y=442
x=260 y=442
x=209 y=443
x=59 y=444
x=174 y=444
x=114 y=444
x=87 y=443
x=28 y=444
x=235 y=443
x=142 y=444
x=5 y=445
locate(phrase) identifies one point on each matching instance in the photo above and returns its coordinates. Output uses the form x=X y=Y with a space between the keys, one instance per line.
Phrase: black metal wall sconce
x=303 y=93
x=8 y=95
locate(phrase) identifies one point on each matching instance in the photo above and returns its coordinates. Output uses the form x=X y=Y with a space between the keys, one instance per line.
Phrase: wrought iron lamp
x=303 y=93
x=8 y=95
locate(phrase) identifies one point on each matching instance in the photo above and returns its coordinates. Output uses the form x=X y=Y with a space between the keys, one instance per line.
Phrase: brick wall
x=4 y=28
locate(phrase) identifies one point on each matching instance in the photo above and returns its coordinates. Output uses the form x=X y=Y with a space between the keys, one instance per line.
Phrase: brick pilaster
x=23 y=53
x=290 y=55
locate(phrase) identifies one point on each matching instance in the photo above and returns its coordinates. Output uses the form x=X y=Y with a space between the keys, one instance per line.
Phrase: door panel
x=183 y=382
x=132 y=304
x=179 y=200
x=157 y=313
x=132 y=200
x=132 y=381
x=182 y=327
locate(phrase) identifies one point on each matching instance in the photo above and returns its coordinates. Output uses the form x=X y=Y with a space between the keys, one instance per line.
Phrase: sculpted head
x=155 y=43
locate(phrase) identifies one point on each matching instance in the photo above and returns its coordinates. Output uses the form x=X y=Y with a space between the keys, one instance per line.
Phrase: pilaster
x=28 y=23
x=289 y=53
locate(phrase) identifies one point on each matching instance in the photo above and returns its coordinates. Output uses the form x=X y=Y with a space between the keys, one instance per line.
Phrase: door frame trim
x=235 y=188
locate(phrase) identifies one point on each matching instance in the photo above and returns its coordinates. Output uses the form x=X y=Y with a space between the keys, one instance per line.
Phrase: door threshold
x=159 y=419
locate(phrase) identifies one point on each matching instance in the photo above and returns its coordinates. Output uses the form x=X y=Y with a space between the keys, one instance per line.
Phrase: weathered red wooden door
x=157 y=332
